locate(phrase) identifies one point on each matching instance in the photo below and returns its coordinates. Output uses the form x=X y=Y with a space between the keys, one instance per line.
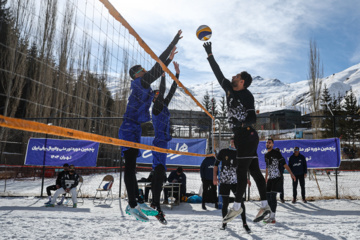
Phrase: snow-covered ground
x=26 y=217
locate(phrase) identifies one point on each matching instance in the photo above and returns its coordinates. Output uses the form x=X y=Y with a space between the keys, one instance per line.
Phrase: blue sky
x=264 y=37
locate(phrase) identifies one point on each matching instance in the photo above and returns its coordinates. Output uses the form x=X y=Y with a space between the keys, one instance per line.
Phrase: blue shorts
x=158 y=157
x=129 y=131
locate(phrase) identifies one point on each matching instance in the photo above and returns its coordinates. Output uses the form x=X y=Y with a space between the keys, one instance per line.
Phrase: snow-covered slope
x=273 y=94
x=270 y=94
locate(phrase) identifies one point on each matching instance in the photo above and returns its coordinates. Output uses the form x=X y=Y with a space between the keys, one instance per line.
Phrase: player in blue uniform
x=161 y=123
x=137 y=112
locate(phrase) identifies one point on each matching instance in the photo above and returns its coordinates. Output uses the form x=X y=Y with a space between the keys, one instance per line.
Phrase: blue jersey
x=137 y=112
x=139 y=102
x=161 y=123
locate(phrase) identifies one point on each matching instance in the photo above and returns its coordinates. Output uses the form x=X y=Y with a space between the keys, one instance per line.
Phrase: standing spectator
x=57 y=184
x=69 y=183
x=209 y=189
x=176 y=176
x=228 y=180
x=298 y=166
x=273 y=177
x=282 y=186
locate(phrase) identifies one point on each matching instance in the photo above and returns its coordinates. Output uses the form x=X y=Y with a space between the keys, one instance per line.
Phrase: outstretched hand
x=207 y=47
x=173 y=52
x=177 y=37
x=176 y=66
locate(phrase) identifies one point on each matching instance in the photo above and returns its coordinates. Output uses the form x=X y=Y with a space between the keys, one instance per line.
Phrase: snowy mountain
x=272 y=94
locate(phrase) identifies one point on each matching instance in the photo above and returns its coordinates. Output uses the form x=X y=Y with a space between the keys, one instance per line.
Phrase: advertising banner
x=58 y=152
x=321 y=153
x=178 y=144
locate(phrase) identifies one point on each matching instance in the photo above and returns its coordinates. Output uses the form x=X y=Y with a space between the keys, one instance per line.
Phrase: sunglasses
x=296 y=150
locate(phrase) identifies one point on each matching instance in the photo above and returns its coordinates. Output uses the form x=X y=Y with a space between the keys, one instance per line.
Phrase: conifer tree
x=206 y=102
x=350 y=127
x=327 y=123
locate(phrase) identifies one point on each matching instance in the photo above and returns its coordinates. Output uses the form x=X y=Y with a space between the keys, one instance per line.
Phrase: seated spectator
x=69 y=183
x=57 y=184
x=148 y=187
x=176 y=176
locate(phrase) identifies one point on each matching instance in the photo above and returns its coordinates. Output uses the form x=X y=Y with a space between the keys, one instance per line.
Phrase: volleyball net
x=64 y=71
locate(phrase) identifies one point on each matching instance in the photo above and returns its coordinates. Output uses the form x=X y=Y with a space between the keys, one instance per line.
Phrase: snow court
x=22 y=217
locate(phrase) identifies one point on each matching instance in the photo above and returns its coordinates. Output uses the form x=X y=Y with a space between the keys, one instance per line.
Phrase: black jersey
x=241 y=104
x=274 y=163
x=228 y=167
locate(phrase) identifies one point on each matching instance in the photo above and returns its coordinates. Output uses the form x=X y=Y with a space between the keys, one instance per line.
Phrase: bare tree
x=315 y=76
x=65 y=48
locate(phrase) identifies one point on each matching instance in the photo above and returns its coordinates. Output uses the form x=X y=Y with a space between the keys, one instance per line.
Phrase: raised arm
x=156 y=71
x=224 y=83
x=171 y=57
x=173 y=86
x=159 y=102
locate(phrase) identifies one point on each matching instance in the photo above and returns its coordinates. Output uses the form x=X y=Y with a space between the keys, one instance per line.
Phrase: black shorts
x=246 y=141
x=274 y=185
x=225 y=189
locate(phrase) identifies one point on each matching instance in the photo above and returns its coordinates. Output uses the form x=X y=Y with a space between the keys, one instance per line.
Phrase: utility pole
x=334 y=134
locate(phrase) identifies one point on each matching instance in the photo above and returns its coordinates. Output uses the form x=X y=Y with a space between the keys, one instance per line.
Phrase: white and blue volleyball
x=203 y=33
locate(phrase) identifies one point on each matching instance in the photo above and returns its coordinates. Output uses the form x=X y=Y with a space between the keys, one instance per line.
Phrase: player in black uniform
x=241 y=116
x=273 y=177
x=228 y=180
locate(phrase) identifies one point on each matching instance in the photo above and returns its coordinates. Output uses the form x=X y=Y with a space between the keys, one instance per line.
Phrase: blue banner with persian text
x=58 y=152
x=322 y=153
x=178 y=144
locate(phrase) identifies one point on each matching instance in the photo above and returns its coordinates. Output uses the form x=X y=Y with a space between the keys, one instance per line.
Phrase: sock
x=49 y=198
x=236 y=206
x=272 y=215
x=264 y=203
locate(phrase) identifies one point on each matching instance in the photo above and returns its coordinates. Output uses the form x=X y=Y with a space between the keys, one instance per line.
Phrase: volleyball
x=203 y=33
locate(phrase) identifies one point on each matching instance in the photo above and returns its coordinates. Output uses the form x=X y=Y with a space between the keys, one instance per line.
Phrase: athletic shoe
x=246 y=227
x=269 y=220
x=232 y=214
x=48 y=202
x=149 y=211
x=137 y=213
x=61 y=202
x=203 y=206
x=161 y=217
x=49 y=205
x=294 y=200
x=75 y=205
x=223 y=227
x=304 y=200
x=282 y=200
x=262 y=213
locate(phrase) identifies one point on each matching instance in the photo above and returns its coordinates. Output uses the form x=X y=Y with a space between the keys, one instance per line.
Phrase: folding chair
x=105 y=187
x=79 y=195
